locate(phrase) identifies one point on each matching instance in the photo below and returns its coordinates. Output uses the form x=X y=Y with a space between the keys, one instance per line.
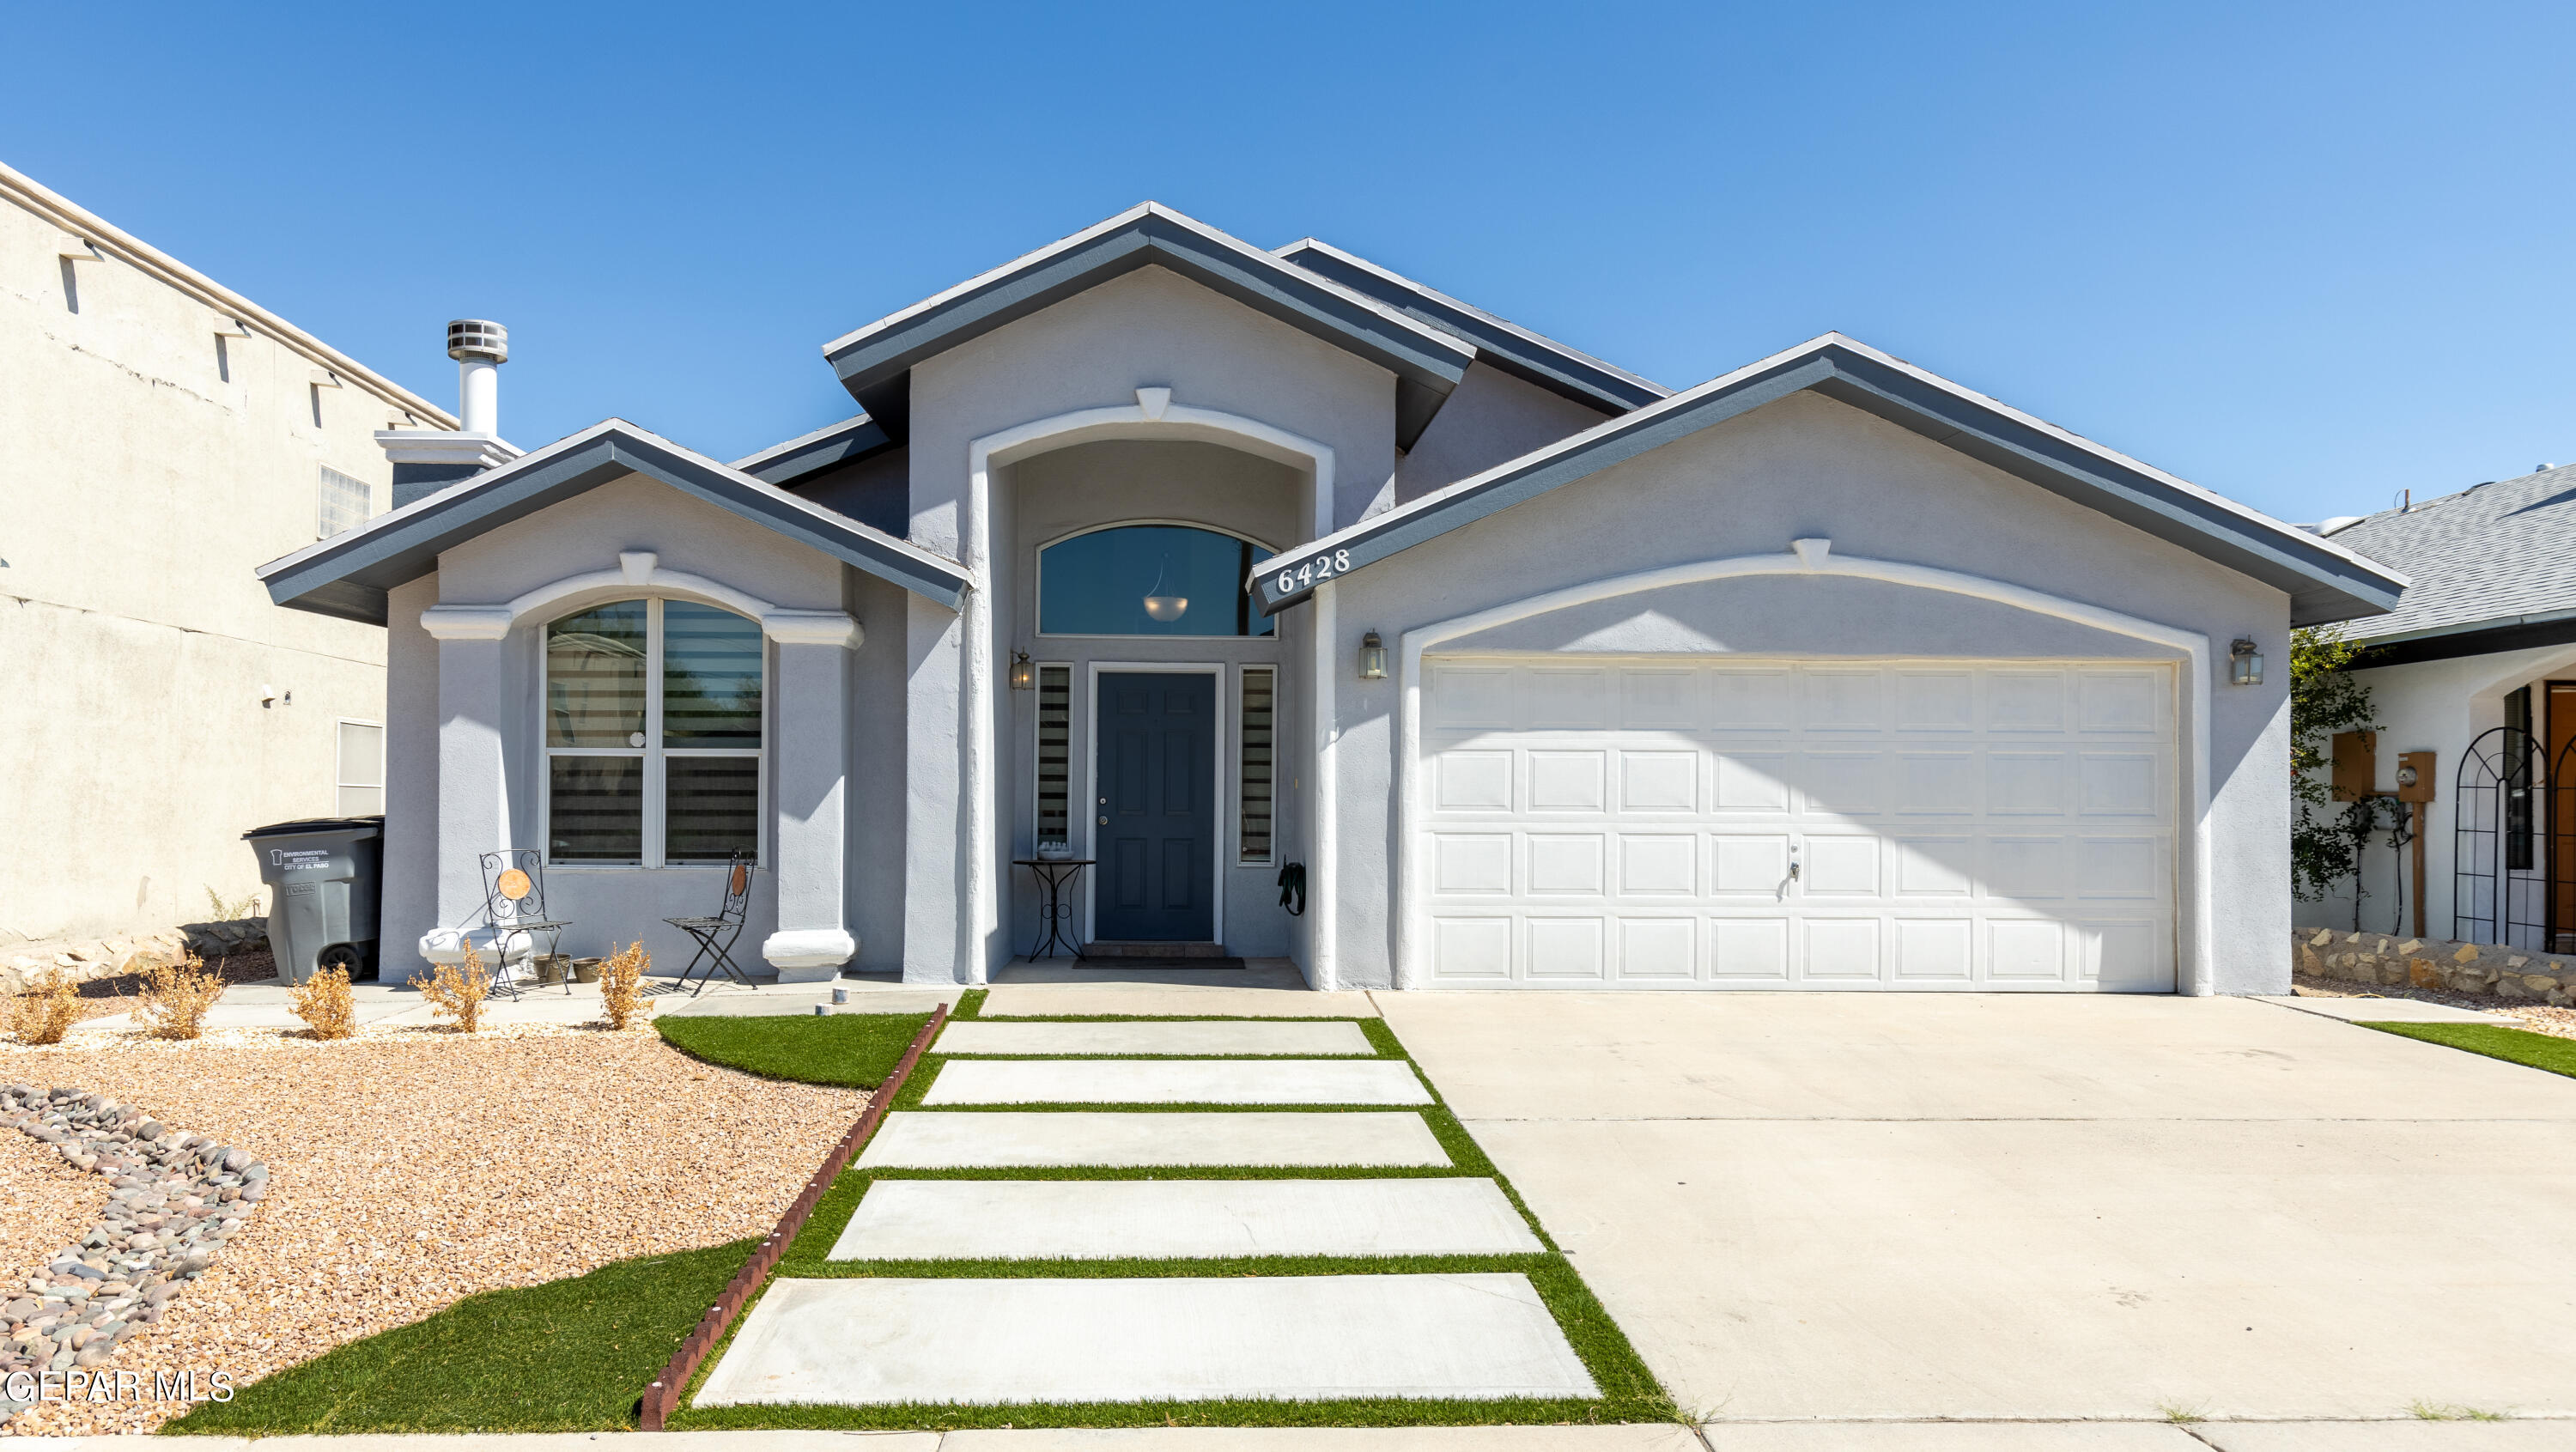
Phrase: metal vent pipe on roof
x=479 y=347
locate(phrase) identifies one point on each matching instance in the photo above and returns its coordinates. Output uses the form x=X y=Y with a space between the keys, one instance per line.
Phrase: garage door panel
x=1935 y=950
x=1753 y=950
x=1838 y=949
x=1956 y=825
x=1565 y=862
x=1660 y=865
x=1658 y=950
x=1568 y=781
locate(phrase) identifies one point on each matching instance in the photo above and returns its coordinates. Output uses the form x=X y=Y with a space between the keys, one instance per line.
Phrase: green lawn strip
x=566 y=1356
x=852 y=1050
x=970 y=1004
x=2513 y=1045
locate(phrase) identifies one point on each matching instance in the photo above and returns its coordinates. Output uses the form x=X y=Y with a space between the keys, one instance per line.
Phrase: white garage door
x=1796 y=824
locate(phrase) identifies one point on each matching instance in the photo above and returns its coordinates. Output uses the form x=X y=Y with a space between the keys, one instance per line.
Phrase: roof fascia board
x=349 y=575
x=1514 y=350
x=2326 y=582
x=2483 y=638
x=845 y=442
x=875 y=362
x=115 y=241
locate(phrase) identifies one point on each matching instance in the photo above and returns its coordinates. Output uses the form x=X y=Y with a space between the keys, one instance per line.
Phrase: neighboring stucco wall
x=2441 y=706
x=144 y=488
x=1808 y=467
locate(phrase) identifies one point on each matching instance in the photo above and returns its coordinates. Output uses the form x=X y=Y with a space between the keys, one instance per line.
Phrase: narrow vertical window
x=346 y=503
x=361 y=776
x=2518 y=754
x=1055 y=752
x=1260 y=693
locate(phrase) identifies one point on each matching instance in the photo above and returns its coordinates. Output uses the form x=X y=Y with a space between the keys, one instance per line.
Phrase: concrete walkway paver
x=1950 y=1437
x=1117 y=1219
x=1212 y=1037
x=2390 y=1436
x=1302 y=1338
x=933 y=1141
x=1177 y=1081
x=1653 y=1437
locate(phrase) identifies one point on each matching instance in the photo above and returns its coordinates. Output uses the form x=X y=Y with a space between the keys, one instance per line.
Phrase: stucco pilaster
x=810 y=689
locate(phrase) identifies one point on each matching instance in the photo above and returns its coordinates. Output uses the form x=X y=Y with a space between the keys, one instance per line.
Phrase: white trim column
x=473 y=772
x=809 y=779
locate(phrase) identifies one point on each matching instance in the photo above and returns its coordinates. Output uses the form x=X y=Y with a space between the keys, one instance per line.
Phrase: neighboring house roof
x=1516 y=350
x=349 y=574
x=110 y=240
x=2325 y=581
x=828 y=447
x=2491 y=569
x=875 y=362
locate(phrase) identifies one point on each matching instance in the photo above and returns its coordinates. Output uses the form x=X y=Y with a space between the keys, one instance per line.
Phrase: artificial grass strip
x=566 y=1356
x=2513 y=1045
x=970 y=1004
x=851 y=1050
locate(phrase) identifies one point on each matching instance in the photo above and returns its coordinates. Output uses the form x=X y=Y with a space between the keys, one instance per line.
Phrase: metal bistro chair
x=716 y=935
x=514 y=908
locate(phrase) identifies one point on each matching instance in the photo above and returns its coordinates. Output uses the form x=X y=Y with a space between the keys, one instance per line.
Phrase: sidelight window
x=1254 y=770
x=653 y=734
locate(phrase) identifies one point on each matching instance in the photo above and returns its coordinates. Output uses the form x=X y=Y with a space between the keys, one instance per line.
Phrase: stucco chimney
x=428 y=460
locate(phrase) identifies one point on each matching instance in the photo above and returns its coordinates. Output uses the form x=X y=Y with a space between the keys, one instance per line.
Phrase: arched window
x=1149 y=579
x=653 y=732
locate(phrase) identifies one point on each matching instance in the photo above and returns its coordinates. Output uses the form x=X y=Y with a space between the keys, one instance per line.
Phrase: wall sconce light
x=1024 y=676
x=2244 y=664
x=1372 y=657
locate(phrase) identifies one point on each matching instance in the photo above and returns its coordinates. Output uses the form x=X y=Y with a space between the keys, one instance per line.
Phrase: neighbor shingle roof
x=2498 y=554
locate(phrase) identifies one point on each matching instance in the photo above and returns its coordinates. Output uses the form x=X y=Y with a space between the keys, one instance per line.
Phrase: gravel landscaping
x=2540 y=1018
x=410 y=1169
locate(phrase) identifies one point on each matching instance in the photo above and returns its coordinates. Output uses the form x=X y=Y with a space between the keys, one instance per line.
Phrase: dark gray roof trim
x=349 y=574
x=1525 y=355
x=875 y=363
x=2529 y=634
x=2324 y=582
x=845 y=442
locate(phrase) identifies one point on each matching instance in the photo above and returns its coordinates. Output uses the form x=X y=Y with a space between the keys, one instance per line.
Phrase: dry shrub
x=176 y=997
x=45 y=1012
x=458 y=993
x=621 y=985
x=325 y=1005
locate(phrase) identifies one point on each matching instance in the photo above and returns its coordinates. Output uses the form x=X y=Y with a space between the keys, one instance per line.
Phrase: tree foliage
x=2325 y=843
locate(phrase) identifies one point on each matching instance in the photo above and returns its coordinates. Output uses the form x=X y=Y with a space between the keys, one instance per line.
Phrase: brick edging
x=664 y=1394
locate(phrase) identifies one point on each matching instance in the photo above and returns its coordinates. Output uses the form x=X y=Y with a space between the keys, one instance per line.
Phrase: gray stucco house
x=1207 y=561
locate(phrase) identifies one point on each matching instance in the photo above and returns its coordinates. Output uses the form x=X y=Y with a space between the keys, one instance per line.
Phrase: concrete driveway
x=1854 y=1207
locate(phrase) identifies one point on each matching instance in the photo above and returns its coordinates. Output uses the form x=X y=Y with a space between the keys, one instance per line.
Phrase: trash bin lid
x=316 y=824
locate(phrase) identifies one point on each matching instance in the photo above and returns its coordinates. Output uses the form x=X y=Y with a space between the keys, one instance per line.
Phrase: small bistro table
x=1055 y=874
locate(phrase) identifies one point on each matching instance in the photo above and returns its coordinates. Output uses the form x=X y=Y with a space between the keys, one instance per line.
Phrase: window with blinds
x=1055 y=752
x=346 y=503
x=1260 y=692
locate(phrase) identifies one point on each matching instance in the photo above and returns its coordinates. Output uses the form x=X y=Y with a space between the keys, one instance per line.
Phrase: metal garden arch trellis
x=2497 y=895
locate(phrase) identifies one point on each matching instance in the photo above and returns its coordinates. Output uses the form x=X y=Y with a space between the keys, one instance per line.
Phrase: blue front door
x=1156 y=817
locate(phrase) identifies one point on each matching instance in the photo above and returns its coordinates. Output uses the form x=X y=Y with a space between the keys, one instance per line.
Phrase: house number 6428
x=1313 y=572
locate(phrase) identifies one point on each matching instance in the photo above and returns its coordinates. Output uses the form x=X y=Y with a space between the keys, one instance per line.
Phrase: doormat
x=1175 y=963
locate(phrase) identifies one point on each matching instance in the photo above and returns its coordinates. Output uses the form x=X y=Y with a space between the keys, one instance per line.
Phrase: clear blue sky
x=2305 y=255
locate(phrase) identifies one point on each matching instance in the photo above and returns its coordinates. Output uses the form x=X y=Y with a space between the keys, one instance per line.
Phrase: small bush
x=325 y=1005
x=621 y=984
x=176 y=997
x=44 y=1012
x=458 y=992
x=232 y=910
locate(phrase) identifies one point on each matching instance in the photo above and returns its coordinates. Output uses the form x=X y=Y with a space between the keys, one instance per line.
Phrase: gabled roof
x=2490 y=568
x=348 y=574
x=829 y=447
x=1516 y=350
x=2324 y=580
x=875 y=362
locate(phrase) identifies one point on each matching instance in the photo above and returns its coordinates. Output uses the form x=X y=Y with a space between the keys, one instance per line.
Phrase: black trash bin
x=325 y=875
